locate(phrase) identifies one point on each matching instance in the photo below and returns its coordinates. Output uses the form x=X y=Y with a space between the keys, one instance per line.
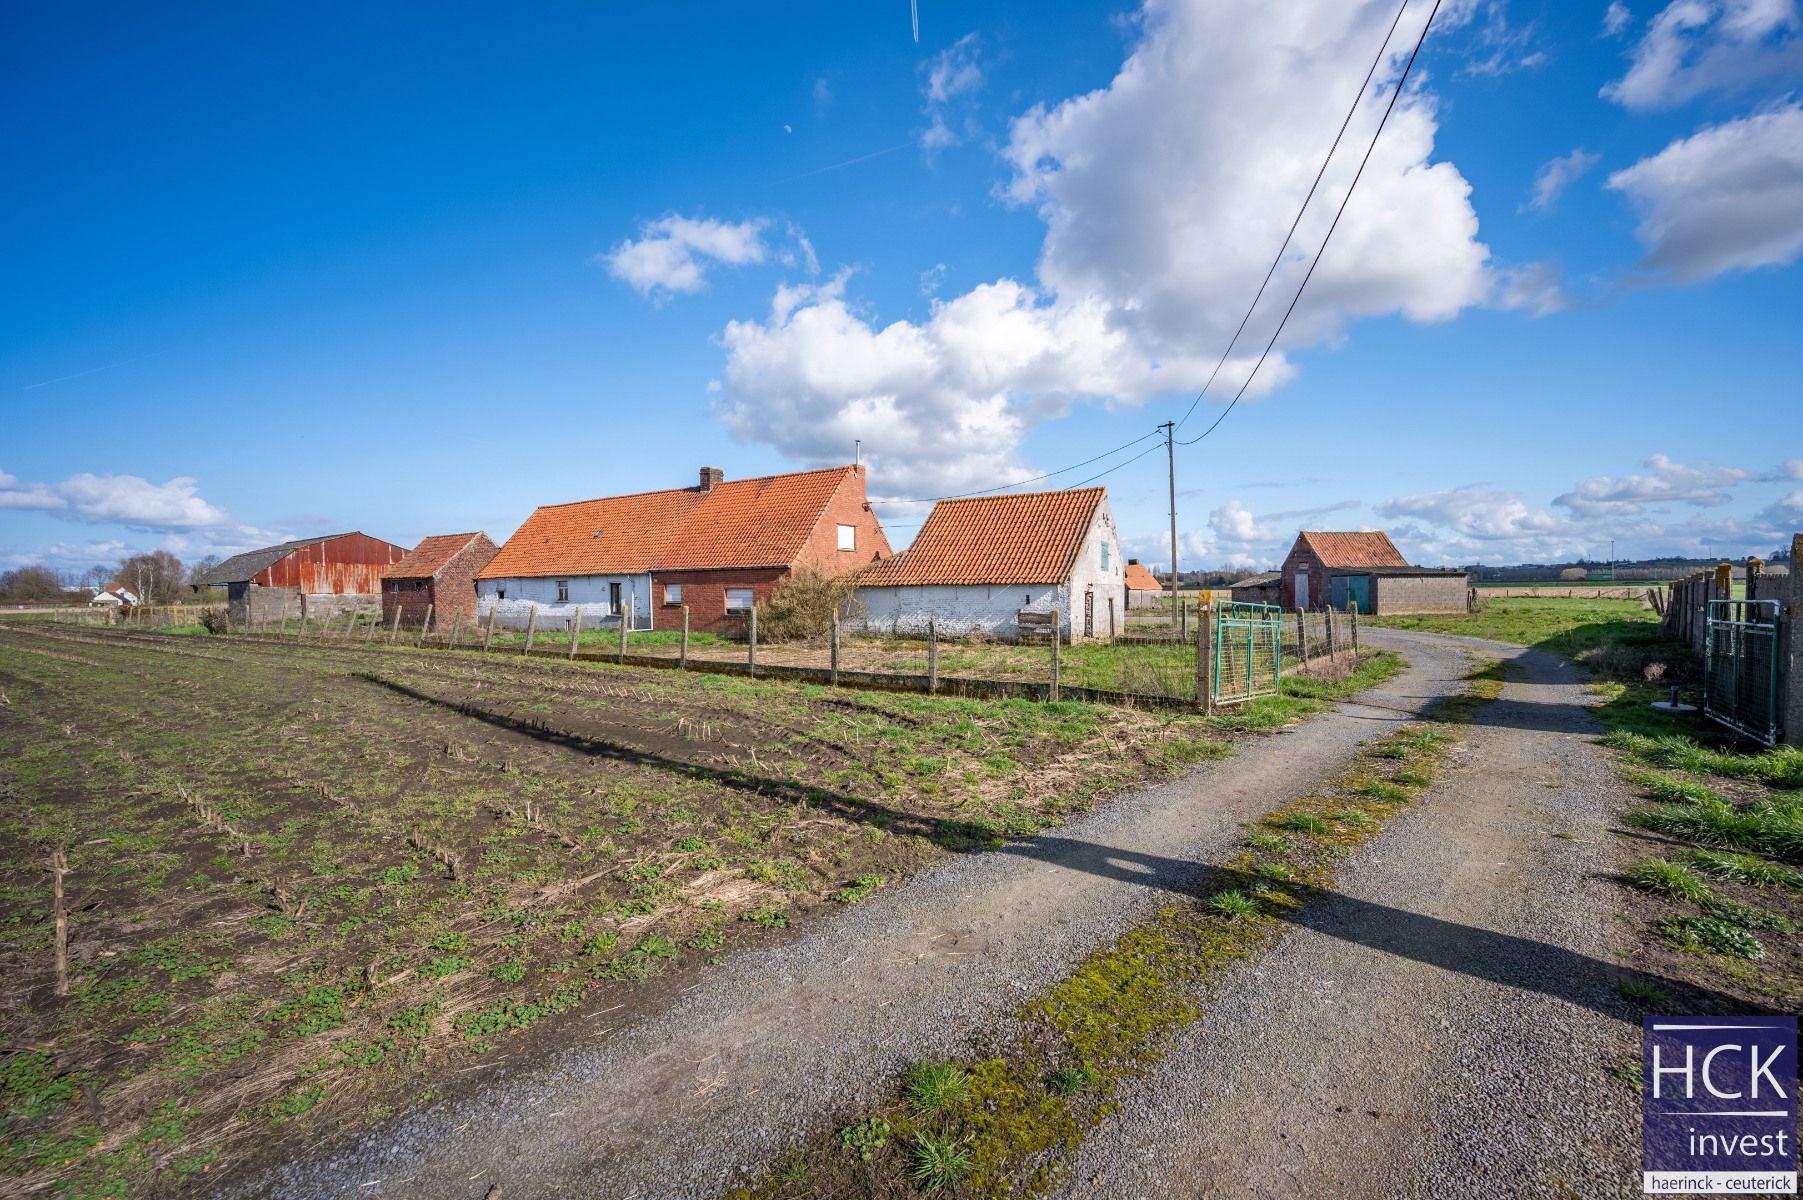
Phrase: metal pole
x=1170 y=459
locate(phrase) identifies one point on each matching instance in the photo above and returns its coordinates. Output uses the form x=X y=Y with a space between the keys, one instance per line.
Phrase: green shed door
x=1358 y=591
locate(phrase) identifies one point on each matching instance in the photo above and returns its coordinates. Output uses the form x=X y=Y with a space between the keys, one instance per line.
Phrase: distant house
x=320 y=577
x=1142 y=587
x=1264 y=588
x=717 y=548
x=439 y=576
x=113 y=596
x=991 y=564
x=1338 y=570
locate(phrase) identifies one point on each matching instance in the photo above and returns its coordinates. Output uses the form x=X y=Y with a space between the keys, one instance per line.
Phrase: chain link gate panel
x=1248 y=651
x=1740 y=667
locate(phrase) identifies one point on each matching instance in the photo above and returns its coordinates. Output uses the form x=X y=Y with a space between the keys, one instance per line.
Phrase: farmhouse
x=113 y=596
x=439 y=576
x=716 y=548
x=1338 y=570
x=991 y=564
x=316 y=577
x=1143 y=589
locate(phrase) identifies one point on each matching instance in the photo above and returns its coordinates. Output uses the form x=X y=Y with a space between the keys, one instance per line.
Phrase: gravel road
x=1442 y=1025
x=774 y=1040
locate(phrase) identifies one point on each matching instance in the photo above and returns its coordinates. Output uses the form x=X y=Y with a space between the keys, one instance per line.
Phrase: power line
x=1340 y=212
x=1357 y=99
x=1034 y=479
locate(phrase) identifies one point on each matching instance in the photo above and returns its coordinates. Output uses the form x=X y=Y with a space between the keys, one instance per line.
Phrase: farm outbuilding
x=317 y=577
x=999 y=565
x=716 y=548
x=1143 y=589
x=1338 y=570
x=438 y=577
x=1264 y=588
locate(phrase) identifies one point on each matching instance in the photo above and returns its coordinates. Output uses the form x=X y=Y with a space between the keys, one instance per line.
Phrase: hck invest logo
x=1719 y=1102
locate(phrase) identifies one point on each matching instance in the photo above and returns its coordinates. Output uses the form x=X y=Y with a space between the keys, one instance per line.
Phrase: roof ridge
x=697 y=489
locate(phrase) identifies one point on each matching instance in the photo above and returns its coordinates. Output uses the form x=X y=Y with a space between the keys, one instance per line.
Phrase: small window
x=738 y=600
x=848 y=537
x=1104 y=555
x=563 y=591
x=419 y=585
x=672 y=593
x=500 y=593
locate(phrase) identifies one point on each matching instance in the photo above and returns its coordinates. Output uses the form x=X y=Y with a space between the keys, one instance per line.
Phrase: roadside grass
x=309 y=882
x=1036 y=1090
x=1728 y=815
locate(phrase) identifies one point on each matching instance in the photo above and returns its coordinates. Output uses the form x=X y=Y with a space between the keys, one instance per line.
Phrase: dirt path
x=773 y=1040
x=1443 y=1025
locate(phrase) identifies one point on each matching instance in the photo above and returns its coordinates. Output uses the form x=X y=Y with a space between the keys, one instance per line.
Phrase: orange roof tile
x=1372 y=549
x=763 y=522
x=1032 y=537
x=1141 y=580
x=429 y=557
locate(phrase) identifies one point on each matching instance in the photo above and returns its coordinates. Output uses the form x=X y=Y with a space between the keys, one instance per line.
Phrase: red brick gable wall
x=1317 y=576
x=452 y=594
x=849 y=506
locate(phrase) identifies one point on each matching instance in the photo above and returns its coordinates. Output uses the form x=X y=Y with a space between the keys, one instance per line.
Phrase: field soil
x=780 y=1039
x=304 y=886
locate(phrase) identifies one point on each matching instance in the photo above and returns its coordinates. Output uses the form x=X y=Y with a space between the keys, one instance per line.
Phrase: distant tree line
x=155 y=577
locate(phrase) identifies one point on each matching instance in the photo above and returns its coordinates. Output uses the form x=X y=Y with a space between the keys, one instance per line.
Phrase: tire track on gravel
x=1441 y=1027
x=778 y=1040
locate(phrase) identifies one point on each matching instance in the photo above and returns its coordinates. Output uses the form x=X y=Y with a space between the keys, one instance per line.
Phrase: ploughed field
x=306 y=885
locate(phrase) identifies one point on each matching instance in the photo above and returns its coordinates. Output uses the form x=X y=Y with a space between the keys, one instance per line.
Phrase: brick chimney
x=711 y=478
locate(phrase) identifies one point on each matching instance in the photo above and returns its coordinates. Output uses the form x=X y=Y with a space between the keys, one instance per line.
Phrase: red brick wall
x=705 y=594
x=451 y=595
x=848 y=506
x=1317 y=577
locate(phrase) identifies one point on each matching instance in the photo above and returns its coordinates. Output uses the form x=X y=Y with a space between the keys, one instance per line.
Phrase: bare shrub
x=802 y=606
x=215 y=620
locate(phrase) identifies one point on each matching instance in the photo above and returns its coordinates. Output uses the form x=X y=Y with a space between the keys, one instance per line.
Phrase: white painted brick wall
x=590 y=593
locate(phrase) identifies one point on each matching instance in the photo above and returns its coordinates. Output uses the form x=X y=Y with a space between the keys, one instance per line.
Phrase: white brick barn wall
x=590 y=593
x=990 y=608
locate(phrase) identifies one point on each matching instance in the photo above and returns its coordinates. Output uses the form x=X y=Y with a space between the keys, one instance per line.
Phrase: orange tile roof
x=1032 y=537
x=429 y=557
x=762 y=522
x=1373 y=549
x=1141 y=580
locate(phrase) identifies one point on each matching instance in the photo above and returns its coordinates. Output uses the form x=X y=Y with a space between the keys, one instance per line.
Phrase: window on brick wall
x=672 y=593
x=848 y=537
x=738 y=600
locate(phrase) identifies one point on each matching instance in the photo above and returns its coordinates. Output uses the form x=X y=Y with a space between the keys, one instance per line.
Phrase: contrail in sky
x=30 y=387
x=850 y=162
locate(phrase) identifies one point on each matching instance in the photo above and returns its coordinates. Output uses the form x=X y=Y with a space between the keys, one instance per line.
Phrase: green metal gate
x=1248 y=651
x=1740 y=667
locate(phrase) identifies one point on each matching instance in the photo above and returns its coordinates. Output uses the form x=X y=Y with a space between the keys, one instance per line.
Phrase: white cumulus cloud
x=115 y=499
x=1696 y=46
x=1664 y=482
x=1555 y=175
x=1616 y=18
x=671 y=255
x=1164 y=194
x=955 y=71
x=1729 y=197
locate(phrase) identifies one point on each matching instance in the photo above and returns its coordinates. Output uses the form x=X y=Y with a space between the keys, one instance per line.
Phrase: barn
x=716 y=548
x=1338 y=570
x=438 y=576
x=1263 y=588
x=1143 y=588
x=991 y=564
x=317 y=577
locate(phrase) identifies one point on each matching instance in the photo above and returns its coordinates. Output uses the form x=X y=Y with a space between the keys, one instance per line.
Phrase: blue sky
x=280 y=271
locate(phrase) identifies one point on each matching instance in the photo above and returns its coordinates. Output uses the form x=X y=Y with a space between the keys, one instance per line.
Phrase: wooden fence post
x=932 y=656
x=425 y=625
x=1057 y=639
x=457 y=631
x=575 y=631
x=370 y=636
x=682 y=654
x=625 y=620
x=1333 y=638
x=1302 y=638
x=531 y=627
x=751 y=655
x=833 y=661
x=1353 y=611
x=1205 y=658
x=303 y=620
x=488 y=635
x=394 y=630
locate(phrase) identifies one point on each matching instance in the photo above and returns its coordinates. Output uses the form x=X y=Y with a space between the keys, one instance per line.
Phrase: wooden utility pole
x=1170 y=460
